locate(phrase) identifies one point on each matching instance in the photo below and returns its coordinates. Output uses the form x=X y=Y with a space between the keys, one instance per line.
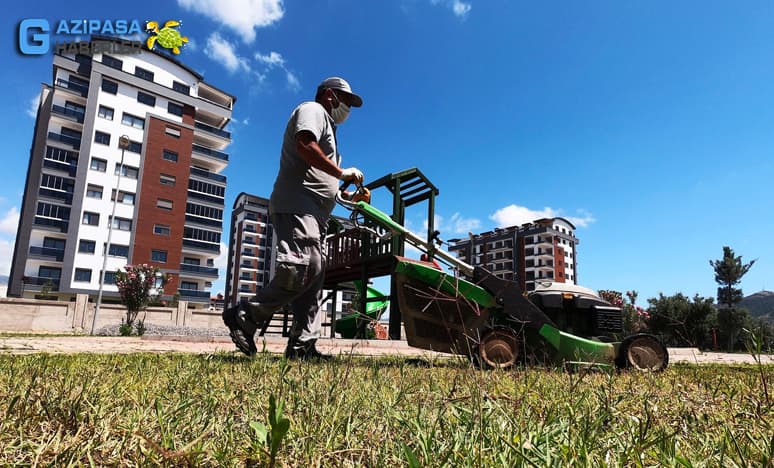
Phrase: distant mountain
x=760 y=304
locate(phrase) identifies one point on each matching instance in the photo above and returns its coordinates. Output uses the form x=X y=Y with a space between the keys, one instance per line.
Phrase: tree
x=680 y=321
x=135 y=285
x=728 y=273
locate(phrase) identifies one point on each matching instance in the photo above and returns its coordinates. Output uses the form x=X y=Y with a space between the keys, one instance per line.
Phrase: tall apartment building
x=162 y=193
x=251 y=246
x=542 y=250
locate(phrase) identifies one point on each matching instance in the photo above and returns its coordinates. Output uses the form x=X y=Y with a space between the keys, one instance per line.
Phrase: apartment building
x=544 y=249
x=252 y=244
x=127 y=151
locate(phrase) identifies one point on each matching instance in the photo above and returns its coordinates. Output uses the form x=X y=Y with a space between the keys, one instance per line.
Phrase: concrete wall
x=33 y=315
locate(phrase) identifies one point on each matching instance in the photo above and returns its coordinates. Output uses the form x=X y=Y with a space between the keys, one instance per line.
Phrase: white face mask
x=340 y=113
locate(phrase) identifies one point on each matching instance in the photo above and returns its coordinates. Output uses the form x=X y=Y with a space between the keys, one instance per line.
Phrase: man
x=300 y=205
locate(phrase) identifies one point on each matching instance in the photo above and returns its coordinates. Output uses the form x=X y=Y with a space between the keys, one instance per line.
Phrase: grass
x=174 y=409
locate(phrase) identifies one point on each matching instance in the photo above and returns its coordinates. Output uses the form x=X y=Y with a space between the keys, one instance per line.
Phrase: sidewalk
x=276 y=344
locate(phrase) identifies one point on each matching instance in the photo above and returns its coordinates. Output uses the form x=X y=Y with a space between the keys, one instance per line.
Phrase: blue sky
x=648 y=124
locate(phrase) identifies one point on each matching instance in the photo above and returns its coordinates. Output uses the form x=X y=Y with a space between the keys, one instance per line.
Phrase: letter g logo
x=33 y=36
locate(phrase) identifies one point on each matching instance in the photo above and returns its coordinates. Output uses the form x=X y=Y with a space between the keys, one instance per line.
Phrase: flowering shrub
x=135 y=284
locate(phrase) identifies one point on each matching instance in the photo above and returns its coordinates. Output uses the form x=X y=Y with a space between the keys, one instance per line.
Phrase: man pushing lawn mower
x=300 y=205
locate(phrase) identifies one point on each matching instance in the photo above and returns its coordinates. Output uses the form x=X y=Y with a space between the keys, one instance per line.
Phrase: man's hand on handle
x=352 y=174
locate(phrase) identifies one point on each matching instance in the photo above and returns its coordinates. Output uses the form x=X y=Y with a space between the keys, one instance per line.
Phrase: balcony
x=208 y=198
x=199 y=245
x=198 y=270
x=71 y=114
x=209 y=175
x=209 y=152
x=194 y=295
x=72 y=141
x=60 y=224
x=47 y=253
x=71 y=86
x=66 y=197
x=36 y=283
x=70 y=168
x=213 y=130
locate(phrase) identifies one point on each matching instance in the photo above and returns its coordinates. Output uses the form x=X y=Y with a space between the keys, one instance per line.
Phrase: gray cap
x=340 y=84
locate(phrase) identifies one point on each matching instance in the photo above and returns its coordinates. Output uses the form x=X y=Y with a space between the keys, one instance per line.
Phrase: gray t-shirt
x=301 y=188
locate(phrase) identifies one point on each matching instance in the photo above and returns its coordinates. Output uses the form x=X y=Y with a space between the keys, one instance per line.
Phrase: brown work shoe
x=241 y=327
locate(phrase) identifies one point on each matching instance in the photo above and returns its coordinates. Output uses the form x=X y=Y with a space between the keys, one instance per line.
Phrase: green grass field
x=175 y=409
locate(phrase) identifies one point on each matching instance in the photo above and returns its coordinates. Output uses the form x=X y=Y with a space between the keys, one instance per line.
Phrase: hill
x=760 y=304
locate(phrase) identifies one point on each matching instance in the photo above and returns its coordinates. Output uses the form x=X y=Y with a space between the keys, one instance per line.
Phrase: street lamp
x=123 y=143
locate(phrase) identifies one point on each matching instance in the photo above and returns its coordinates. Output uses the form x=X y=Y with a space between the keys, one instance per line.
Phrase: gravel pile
x=162 y=330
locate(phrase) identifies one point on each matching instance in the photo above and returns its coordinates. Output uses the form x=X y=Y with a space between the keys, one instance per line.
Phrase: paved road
x=200 y=345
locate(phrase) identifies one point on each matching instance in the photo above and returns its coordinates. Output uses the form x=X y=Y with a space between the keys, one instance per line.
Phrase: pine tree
x=728 y=273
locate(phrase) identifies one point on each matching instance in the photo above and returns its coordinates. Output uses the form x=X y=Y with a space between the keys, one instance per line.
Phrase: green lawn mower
x=471 y=312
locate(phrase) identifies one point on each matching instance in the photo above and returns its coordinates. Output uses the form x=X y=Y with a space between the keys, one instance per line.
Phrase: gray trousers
x=298 y=278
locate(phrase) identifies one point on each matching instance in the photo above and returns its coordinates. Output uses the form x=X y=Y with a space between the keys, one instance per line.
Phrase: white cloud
x=458 y=7
x=6 y=255
x=272 y=59
x=223 y=52
x=32 y=110
x=457 y=224
x=221 y=261
x=515 y=215
x=293 y=83
x=242 y=16
x=10 y=222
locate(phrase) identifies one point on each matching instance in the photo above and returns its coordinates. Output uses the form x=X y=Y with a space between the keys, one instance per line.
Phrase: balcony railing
x=48 y=252
x=213 y=130
x=196 y=269
x=71 y=168
x=209 y=152
x=56 y=223
x=74 y=142
x=201 y=245
x=208 y=174
x=194 y=293
x=205 y=221
x=78 y=88
x=40 y=281
x=76 y=116
x=206 y=197
x=66 y=197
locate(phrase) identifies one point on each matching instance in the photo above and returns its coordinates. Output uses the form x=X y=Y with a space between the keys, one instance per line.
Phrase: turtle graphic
x=167 y=37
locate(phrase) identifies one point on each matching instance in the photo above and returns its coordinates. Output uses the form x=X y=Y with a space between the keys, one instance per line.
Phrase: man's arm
x=310 y=151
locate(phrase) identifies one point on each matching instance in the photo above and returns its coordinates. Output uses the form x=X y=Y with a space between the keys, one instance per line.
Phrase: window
x=54 y=243
x=102 y=138
x=122 y=224
x=203 y=211
x=189 y=285
x=94 y=191
x=112 y=62
x=72 y=108
x=181 y=88
x=127 y=171
x=49 y=210
x=161 y=229
x=92 y=219
x=135 y=147
x=146 y=99
x=169 y=180
x=86 y=246
x=173 y=132
x=175 y=108
x=170 y=155
x=117 y=250
x=110 y=277
x=204 y=187
x=98 y=164
x=164 y=204
x=143 y=73
x=191 y=261
x=49 y=272
x=133 y=121
x=123 y=197
x=109 y=86
x=57 y=183
x=105 y=112
x=82 y=274
x=159 y=256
